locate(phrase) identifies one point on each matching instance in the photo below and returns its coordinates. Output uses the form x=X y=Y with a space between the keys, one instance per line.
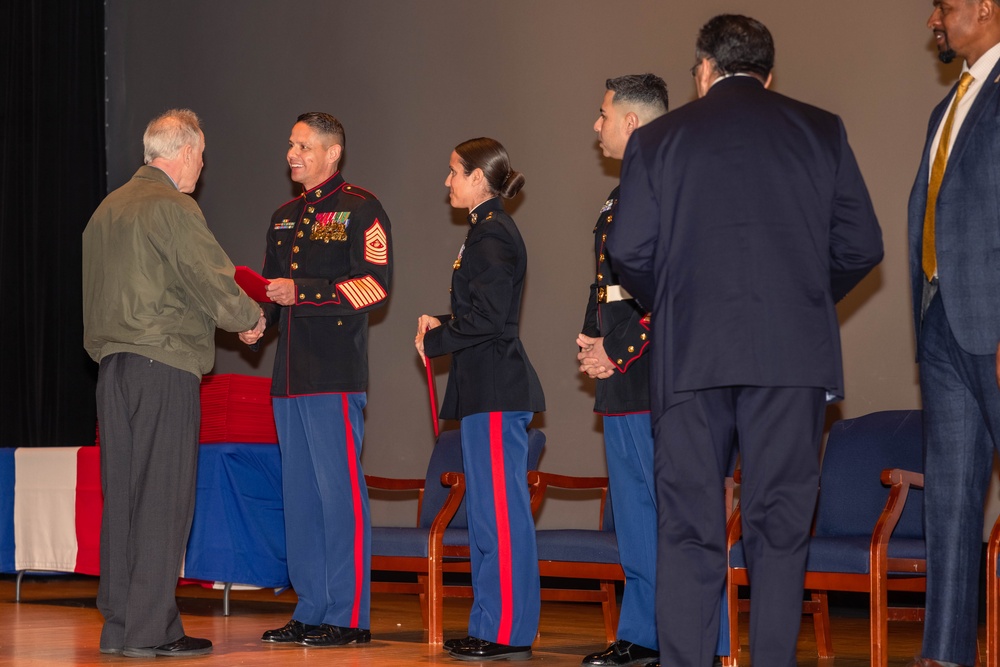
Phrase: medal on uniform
x=330 y=226
x=458 y=260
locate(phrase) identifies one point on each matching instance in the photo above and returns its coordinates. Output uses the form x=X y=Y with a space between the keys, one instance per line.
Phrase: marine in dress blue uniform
x=494 y=391
x=334 y=242
x=623 y=400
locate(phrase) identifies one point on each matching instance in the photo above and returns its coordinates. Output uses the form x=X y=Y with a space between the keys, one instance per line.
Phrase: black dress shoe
x=111 y=650
x=327 y=635
x=452 y=644
x=482 y=650
x=622 y=653
x=289 y=633
x=185 y=647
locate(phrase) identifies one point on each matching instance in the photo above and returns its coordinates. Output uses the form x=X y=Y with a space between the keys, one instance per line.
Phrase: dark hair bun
x=512 y=185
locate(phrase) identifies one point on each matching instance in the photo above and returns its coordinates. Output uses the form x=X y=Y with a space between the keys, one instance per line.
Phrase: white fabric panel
x=45 y=508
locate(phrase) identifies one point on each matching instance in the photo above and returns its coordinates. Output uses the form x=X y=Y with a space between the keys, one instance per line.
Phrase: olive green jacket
x=155 y=281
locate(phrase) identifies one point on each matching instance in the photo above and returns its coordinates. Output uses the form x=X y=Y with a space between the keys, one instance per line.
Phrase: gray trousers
x=149 y=414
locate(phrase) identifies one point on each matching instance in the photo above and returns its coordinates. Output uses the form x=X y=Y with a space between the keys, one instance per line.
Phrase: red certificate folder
x=254 y=284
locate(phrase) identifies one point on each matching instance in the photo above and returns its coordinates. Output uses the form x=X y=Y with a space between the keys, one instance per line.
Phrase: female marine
x=494 y=392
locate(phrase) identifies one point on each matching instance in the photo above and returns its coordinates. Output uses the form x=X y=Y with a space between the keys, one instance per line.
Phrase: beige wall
x=410 y=80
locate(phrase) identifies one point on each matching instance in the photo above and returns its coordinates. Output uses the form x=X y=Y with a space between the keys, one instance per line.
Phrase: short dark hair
x=647 y=89
x=326 y=124
x=490 y=156
x=737 y=44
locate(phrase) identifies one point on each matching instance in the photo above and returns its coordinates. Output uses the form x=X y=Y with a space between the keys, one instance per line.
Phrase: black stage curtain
x=52 y=176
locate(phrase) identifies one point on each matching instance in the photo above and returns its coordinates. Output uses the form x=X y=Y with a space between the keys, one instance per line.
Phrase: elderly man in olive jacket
x=156 y=285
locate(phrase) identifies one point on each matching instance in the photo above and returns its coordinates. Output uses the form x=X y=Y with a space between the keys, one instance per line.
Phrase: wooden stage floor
x=57 y=623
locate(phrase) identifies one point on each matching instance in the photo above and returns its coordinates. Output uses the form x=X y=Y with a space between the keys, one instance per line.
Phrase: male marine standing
x=743 y=219
x=329 y=261
x=955 y=274
x=156 y=284
x=612 y=344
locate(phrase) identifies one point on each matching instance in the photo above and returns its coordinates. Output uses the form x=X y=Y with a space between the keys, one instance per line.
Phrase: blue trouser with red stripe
x=505 y=581
x=628 y=445
x=327 y=520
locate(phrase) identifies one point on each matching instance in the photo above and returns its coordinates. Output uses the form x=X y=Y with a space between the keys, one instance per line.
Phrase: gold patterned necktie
x=929 y=256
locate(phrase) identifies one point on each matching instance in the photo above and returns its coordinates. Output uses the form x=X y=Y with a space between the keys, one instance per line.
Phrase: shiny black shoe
x=452 y=644
x=482 y=650
x=185 y=647
x=622 y=653
x=289 y=633
x=325 y=636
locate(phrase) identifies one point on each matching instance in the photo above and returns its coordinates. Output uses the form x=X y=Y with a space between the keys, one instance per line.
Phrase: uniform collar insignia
x=486 y=210
x=327 y=187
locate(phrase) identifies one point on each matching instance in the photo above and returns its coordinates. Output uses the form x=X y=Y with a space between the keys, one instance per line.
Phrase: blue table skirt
x=238 y=532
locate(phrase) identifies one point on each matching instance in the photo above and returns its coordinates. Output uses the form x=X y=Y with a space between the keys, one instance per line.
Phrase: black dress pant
x=778 y=432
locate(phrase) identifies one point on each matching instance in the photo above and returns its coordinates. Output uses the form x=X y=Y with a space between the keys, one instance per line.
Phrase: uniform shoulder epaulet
x=357 y=191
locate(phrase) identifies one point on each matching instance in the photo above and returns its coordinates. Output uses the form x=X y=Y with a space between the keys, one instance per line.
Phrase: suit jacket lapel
x=984 y=99
x=939 y=111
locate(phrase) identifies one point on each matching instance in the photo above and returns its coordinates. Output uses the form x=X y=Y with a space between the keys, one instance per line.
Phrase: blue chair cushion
x=586 y=546
x=411 y=542
x=848 y=555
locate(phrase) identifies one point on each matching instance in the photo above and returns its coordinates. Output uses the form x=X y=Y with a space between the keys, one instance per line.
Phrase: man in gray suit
x=156 y=284
x=954 y=231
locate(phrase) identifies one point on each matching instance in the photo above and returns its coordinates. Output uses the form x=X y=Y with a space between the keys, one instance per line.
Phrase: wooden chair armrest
x=539 y=482
x=892 y=476
x=394 y=484
x=456 y=491
x=734 y=529
x=992 y=553
x=899 y=482
x=570 y=481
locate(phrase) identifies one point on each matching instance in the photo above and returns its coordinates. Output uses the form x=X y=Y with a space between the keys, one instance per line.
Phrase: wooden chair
x=586 y=554
x=440 y=541
x=856 y=516
x=993 y=598
x=579 y=553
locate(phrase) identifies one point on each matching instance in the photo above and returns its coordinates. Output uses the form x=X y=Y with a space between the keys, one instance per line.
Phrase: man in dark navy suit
x=954 y=235
x=743 y=219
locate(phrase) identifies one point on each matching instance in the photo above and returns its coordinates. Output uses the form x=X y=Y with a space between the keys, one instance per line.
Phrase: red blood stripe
x=359 y=535
x=503 y=527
